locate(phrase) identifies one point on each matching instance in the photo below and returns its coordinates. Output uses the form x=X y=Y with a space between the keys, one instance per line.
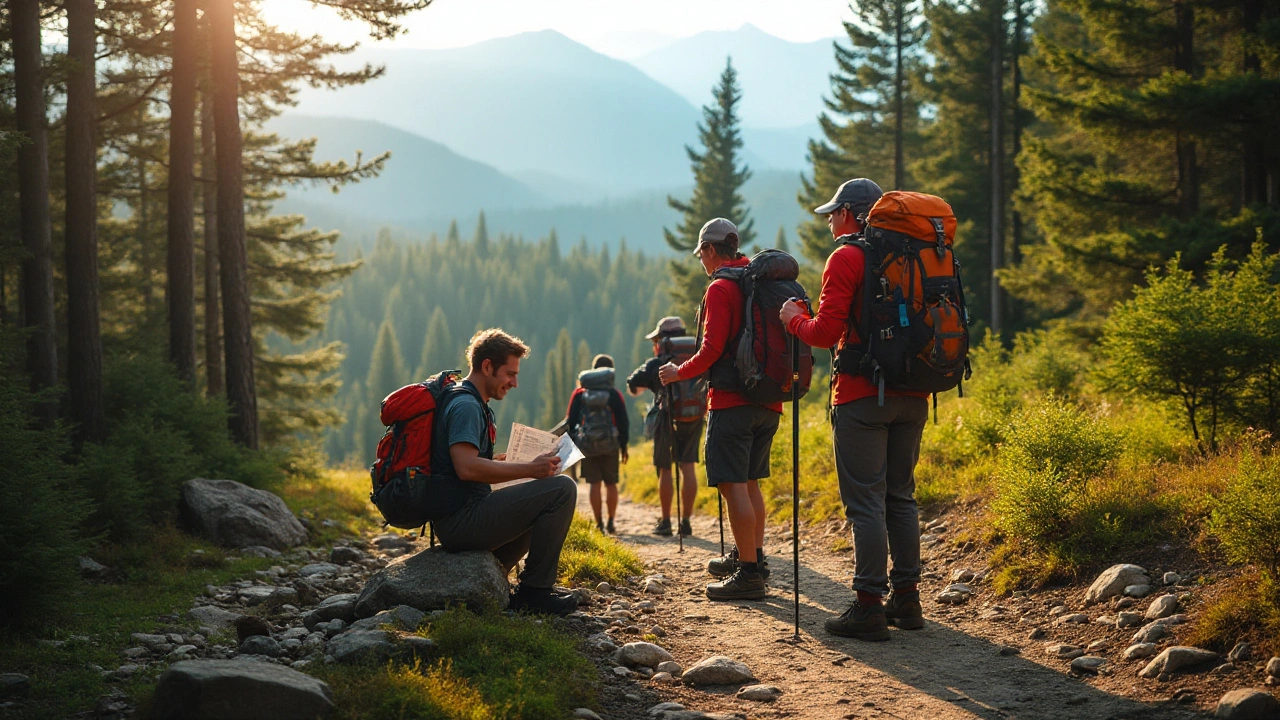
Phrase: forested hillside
x=412 y=307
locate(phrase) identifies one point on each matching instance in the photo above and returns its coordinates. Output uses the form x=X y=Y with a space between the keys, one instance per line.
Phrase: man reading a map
x=531 y=517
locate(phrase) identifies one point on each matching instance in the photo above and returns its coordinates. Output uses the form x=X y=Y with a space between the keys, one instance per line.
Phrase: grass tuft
x=591 y=557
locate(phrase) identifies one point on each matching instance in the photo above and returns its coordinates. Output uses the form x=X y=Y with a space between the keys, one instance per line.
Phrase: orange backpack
x=913 y=333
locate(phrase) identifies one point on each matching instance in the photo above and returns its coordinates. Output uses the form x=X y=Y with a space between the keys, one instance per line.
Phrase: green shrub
x=1247 y=517
x=1036 y=505
x=41 y=508
x=590 y=557
x=1058 y=436
x=160 y=435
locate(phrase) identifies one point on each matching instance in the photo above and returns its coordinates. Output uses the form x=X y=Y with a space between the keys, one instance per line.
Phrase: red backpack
x=402 y=471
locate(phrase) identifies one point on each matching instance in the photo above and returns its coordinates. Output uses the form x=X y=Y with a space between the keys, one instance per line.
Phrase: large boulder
x=1248 y=704
x=1176 y=659
x=1113 y=581
x=435 y=580
x=235 y=515
x=717 y=670
x=239 y=689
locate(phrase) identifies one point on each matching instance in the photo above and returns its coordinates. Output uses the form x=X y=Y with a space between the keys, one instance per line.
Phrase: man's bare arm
x=473 y=468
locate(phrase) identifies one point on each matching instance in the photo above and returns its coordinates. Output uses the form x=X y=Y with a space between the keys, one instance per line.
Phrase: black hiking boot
x=612 y=530
x=723 y=567
x=663 y=528
x=600 y=526
x=542 y=601
x=902 y=609
x=742 y=585
x=686 y=528
x=860 y=622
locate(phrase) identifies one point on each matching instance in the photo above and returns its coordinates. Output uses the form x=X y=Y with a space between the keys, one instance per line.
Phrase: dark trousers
x=531 y=517
x=876 y=451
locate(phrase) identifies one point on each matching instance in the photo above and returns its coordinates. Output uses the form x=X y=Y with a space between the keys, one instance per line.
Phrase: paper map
x=527 y=443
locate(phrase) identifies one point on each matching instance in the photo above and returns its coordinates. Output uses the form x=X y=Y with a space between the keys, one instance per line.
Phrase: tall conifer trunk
x=209 y=204
x=237 y=322
x=1185 y=146
x=84 y=340
x=1015 y=67
x=997 y=163
x=33 y=201
x=1253 y=170
x=180 y=293
x=898 y=153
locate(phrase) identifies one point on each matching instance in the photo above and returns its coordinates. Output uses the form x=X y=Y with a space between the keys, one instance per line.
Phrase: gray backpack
x=596 y=433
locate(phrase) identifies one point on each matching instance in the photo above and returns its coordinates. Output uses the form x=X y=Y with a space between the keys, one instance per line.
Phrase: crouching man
x=532 y=517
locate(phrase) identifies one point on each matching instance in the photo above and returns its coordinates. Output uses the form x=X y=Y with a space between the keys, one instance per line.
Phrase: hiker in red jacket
x=876 y=445
x=739 y=433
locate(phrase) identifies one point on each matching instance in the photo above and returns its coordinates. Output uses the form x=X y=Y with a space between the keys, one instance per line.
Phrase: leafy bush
x=160 y=434
x=1057 y=436
x=40 y=507
x=1037 y=505
x=1247 y=517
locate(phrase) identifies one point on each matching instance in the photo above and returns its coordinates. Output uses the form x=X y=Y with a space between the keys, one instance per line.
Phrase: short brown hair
x=601 y=360
x=494 y=345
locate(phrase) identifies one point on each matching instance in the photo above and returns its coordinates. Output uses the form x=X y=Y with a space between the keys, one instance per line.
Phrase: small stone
x=1241 y=652
x=1151 y=632
x=1128 y=619
x=661 y=708
x=126 y=670
x=960 y=575
x=249 y=626
x=1273 y=667
x=1248 y=704
x=346 y=555
x=654 y=587
x=1176 y=659
x=642 y=654
x=1057 y=610
x=1073 y=619
x=1098 y=645
x=662 y=677
x=319 y=570
x=260 y=645
x=1137 y=591
x=717 y=670
x=1063 y=651
x=1104 y=620
x=14 y=685
x=1008 y=651
x=960 y=588
x=585 y=714
x=1223 y=669
x=670 y=666
x=622 y=672
x=604 y=588
x=134 y=653
x=213 y=616
x=952 y=598
x=92 y=569
x=1170 y=578
x=1036 y=634
x=1125 y=602
x=1113 y=581
x=1139 y=651
x=759 y=693
x=657 y=631
x=182 y=652
x=1162 y=607
x=1088 y=664
x=150 y=641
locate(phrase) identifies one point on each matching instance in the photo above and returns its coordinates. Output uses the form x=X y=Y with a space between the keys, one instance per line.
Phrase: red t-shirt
x=841 y=290
x=721 y=322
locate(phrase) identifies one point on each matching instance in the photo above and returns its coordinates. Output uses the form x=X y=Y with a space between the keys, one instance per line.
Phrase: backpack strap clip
x=939 y=235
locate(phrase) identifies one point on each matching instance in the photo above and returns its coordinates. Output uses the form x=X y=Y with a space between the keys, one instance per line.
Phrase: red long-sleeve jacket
x=841 y=290
x=722 y=319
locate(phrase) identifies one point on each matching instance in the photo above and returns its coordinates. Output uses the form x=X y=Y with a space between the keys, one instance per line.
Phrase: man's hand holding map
x=527 y=443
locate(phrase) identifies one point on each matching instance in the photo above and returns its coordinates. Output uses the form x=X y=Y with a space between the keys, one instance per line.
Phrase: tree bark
x=997 y=164
x=1015 y=67
x=237 y=323
x=84 y=339
x=1185 y=146
x=181 y=293
x=209 y=201
x=33 y=202
x=1253 y=155
x=898 y=153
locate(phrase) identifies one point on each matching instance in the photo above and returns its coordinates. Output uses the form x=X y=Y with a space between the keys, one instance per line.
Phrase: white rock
x=717 y=670
x=642 y=654
x=759 y=693
x=960 y=588
x=662 y=677
x=952 y=598
x=182 y=652
x=585 y=714
x=1062 y=651
x=1175 y=659
x=1248 y=704
x=653 y=586
x=621 y=672
x=1273 y=667
x=1139 y=651
x=1088 y=664
x=1113 y=581
x=1171 y=578
x=1138 y=590
x=1162 y=607
x=961 y=575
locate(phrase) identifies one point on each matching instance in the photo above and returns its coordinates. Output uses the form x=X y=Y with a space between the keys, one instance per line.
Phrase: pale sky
x=621 y=28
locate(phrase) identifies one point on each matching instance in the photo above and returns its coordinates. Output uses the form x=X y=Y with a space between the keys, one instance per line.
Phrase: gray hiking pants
x=876 y=451
x=531 y=517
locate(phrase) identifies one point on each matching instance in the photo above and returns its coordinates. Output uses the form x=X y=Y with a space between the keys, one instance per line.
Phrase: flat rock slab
x=435 y=580
x=235 y=515
x=760 y=693
x=717 y=670
x=213 y=616
x=1248 y=704
x=239 y=689
x=1177 y=659
x=14 y=685
x=1113 y=581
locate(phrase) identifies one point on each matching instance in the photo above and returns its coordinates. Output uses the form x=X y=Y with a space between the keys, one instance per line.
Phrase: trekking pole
x=720 y=514
x=795 y=474
x=675 y=466
x=433 y=533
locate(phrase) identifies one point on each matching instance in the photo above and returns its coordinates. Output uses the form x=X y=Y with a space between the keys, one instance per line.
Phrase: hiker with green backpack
x=598 y=423
x=892 y=311
x=688 y=405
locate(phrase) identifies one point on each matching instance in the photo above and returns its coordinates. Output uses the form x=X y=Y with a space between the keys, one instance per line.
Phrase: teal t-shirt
x=465 y=420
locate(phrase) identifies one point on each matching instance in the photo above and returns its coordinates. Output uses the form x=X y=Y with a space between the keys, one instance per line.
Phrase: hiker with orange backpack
x=598 y=423
x=671 y=343
x=892 y=310
x=745 y=403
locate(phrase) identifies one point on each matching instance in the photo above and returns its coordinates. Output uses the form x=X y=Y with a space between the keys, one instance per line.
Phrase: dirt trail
x=951 y=669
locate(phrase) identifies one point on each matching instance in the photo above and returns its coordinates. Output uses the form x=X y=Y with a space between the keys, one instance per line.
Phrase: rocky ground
x=1109 y=651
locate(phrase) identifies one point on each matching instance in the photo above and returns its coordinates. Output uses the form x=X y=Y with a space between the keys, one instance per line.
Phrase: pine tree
x=871 y=126
x=482 y=235
x=558 y=380
x=438 y=350
x=780 y=241
x=386 y=371
x=180 y=275
x=717 y=183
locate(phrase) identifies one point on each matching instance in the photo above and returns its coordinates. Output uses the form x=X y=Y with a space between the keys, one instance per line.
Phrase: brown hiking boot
x=902 y=609
x=742 y=585
x=860 y=622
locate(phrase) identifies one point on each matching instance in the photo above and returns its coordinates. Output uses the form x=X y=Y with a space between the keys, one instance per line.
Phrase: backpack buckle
x=939 y=235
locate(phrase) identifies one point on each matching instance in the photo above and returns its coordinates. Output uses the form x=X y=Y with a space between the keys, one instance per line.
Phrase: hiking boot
x=727 y=565
x=663 y=528
x=599 y=526
x=610 y=528
x=860 y=622
x=542 y=601
x=686 y=528
x=902 y=609
x=742 y=585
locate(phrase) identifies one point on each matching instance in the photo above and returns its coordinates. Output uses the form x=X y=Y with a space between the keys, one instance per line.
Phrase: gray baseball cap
x=667 y=326
x=859 y=194
x=715 y=231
